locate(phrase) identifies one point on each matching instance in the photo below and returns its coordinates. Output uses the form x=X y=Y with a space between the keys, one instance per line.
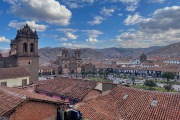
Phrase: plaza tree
x=168 y=76
x=150 y=83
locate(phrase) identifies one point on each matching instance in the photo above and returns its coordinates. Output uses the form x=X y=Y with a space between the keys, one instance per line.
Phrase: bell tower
x=65 y=61
x=78 y=60
x=26 y=47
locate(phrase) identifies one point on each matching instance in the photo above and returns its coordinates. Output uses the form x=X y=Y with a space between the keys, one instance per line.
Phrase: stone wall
x=31 y=64
x=10 y=61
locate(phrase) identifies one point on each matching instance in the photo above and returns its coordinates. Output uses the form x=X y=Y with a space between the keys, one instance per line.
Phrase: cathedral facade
x=70 y=63
x=23 y=53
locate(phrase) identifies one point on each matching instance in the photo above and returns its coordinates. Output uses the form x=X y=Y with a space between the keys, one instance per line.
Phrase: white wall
x=13 y=82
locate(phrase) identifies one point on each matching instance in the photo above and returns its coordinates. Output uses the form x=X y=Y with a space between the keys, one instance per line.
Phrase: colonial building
x=70 y=63
x=13 y=77
x=171 y=60
x=23 y=53
x=89 y=68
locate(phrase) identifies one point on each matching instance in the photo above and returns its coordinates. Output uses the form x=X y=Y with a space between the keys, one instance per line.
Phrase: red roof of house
x=13 y=72
x=136 y=105
x=73 y=88
x=10 y=98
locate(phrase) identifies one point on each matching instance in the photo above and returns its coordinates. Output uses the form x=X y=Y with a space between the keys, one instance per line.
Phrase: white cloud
x=144 y=39
x=50 y=11
x=97 y=20
x=136 y=19
x=162 y=28
x=72 y=45
x=66 y=30
x=69 y=34
x=4 y=39
x=133 y=19
x=32 y=24
x=92 y=40
x=93 y=33
x=131 y=5
x=131 y=8
x=78 y=3
x=120 y=14
x=107 y=12
x=163 y=19
x=156 y=1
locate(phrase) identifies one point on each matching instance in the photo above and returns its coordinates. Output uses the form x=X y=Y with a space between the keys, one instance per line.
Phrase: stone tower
x=78 y=60
x=71 y=64
x=143 y=58
x=25 y=45
x=1 y=61
x=65 y=61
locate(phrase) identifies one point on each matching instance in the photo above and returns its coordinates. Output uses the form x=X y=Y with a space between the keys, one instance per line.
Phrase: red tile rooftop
x=13 y=72
x=73 y=88
x=132 y=104
x=10 y=98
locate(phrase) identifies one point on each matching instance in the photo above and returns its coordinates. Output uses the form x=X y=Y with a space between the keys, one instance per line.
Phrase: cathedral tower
x=26 y=47
x=78 y=61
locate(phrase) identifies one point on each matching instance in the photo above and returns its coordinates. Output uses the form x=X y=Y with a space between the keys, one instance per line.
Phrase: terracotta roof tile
x=137 y=105
x=13 y=72
x=10 y=98
x=73 y=88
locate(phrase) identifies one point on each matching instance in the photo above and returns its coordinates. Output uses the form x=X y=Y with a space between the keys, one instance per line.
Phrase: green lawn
x=171 y=82
x=153 y=88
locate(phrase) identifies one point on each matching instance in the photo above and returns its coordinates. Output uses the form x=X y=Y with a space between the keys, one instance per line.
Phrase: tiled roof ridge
x=14 y=93
x=69 y=87
x=148 y=90
x=13 y=72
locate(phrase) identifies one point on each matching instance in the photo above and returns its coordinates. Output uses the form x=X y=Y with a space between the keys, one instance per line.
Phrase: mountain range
x=173 y=50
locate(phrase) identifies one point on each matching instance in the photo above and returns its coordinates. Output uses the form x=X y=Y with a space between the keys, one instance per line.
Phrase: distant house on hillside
x=171 y=60
x=14 y=76
x=17 y=104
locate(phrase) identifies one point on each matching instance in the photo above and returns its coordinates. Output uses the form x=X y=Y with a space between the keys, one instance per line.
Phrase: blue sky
x=93 y=23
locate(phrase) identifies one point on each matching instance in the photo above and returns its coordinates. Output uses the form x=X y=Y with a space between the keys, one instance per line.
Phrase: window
x=24 y=82
x=31 y=47
x=24 y=47
x=3 y=83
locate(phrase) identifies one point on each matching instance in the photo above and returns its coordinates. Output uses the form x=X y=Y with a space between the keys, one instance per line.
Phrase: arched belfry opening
x=24 y=47
x=31 y=47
